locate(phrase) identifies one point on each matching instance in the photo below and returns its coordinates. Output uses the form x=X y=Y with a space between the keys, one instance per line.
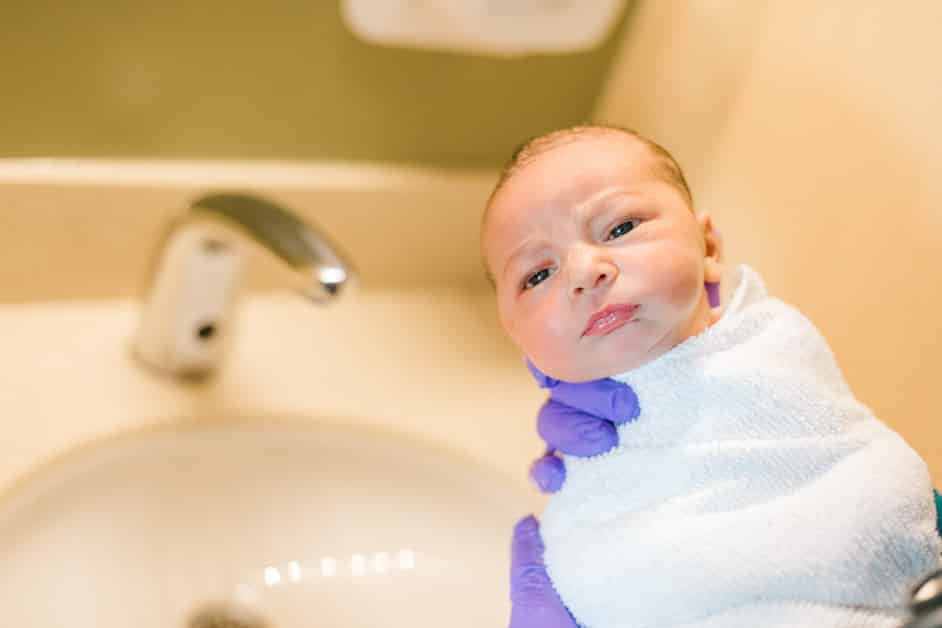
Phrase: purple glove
x=534 y=601
x=713 y=293
x=579 y=420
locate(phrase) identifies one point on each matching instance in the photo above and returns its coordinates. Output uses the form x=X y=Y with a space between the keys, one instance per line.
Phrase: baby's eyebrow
x=526 y=248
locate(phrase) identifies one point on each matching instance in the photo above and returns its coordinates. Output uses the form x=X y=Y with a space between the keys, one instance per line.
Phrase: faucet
x=187 y=320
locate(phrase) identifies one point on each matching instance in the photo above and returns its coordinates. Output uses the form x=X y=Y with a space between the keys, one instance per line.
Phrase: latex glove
x=578 y=420
x=534 y=601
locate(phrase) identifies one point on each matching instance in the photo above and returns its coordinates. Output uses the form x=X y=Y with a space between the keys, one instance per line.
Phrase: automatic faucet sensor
x=187 y=320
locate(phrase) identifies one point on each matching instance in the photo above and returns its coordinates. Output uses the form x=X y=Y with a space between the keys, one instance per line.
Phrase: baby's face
x=599 y=263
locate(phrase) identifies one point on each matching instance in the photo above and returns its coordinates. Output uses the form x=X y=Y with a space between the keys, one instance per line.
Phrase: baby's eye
x=622 y=229
x=536 y=278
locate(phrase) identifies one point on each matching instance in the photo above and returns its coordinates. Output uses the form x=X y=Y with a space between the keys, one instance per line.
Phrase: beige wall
x=88 y=229
x=813 y=130
x=243 y=79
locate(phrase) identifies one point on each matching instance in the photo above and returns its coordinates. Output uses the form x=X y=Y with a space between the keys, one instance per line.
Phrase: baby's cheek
x=543 y=337
x=679 y=277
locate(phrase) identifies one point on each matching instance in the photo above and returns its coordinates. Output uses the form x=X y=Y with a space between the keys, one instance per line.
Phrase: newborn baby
x=752 y=489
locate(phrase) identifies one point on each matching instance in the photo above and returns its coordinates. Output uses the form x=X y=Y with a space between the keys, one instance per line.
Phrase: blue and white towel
x=753 y=490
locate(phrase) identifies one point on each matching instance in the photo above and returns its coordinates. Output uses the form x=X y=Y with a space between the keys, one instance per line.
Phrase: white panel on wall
x=484 y=27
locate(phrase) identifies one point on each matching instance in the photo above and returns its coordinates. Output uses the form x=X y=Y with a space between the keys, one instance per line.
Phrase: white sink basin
x=285 y=524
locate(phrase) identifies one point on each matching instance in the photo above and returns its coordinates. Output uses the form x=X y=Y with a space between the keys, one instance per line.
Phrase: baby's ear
x=713 y=257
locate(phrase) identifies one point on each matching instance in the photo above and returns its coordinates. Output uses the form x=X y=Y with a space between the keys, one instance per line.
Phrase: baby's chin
x=580 y=373
x=600 y=362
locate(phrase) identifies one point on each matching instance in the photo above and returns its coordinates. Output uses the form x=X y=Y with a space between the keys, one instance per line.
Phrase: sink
x=275 y=523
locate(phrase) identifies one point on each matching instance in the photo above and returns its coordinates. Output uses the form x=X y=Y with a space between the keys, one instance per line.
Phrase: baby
x=752 y=488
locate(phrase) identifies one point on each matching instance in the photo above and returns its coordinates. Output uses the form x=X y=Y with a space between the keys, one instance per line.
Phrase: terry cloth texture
x=753 y=490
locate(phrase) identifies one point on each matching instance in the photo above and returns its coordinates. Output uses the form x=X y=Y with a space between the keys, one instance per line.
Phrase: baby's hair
x=667 y=167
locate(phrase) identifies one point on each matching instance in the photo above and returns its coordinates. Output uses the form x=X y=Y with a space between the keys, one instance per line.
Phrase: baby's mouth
x=609 y=318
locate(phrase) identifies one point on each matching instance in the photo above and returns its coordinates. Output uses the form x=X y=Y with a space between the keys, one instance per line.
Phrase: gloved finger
x=548 y=472
x=534 y=601
x=605 y=398
x=713 y=293
x=713 y=287
x=574 y=432
x=545 y=381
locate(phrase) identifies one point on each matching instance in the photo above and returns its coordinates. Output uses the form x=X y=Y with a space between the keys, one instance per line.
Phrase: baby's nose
x=596 y=278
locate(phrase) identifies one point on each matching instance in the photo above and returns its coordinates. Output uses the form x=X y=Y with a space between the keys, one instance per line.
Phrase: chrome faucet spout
x=319 y=265
x=186 y=324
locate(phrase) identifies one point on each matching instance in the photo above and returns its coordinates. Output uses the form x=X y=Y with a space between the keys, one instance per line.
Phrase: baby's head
x=596 y=254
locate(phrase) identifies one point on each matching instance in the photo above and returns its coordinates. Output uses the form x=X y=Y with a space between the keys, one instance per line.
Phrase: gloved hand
x=578 y=420
x=534 y=601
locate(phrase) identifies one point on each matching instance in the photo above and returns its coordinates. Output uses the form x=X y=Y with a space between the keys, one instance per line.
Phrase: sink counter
x=430 y=363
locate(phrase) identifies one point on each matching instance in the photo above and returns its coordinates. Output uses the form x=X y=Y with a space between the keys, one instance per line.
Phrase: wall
x=280 y=79
x=89 y=229
x=812 y=130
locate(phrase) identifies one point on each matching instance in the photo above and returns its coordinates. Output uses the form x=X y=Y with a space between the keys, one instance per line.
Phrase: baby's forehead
x=582 y=161
x=572 y=173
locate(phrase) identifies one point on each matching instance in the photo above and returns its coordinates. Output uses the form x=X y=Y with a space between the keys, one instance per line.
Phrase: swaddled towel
x=753 y=490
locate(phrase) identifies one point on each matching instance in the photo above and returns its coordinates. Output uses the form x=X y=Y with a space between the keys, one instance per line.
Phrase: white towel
x=753 y=490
